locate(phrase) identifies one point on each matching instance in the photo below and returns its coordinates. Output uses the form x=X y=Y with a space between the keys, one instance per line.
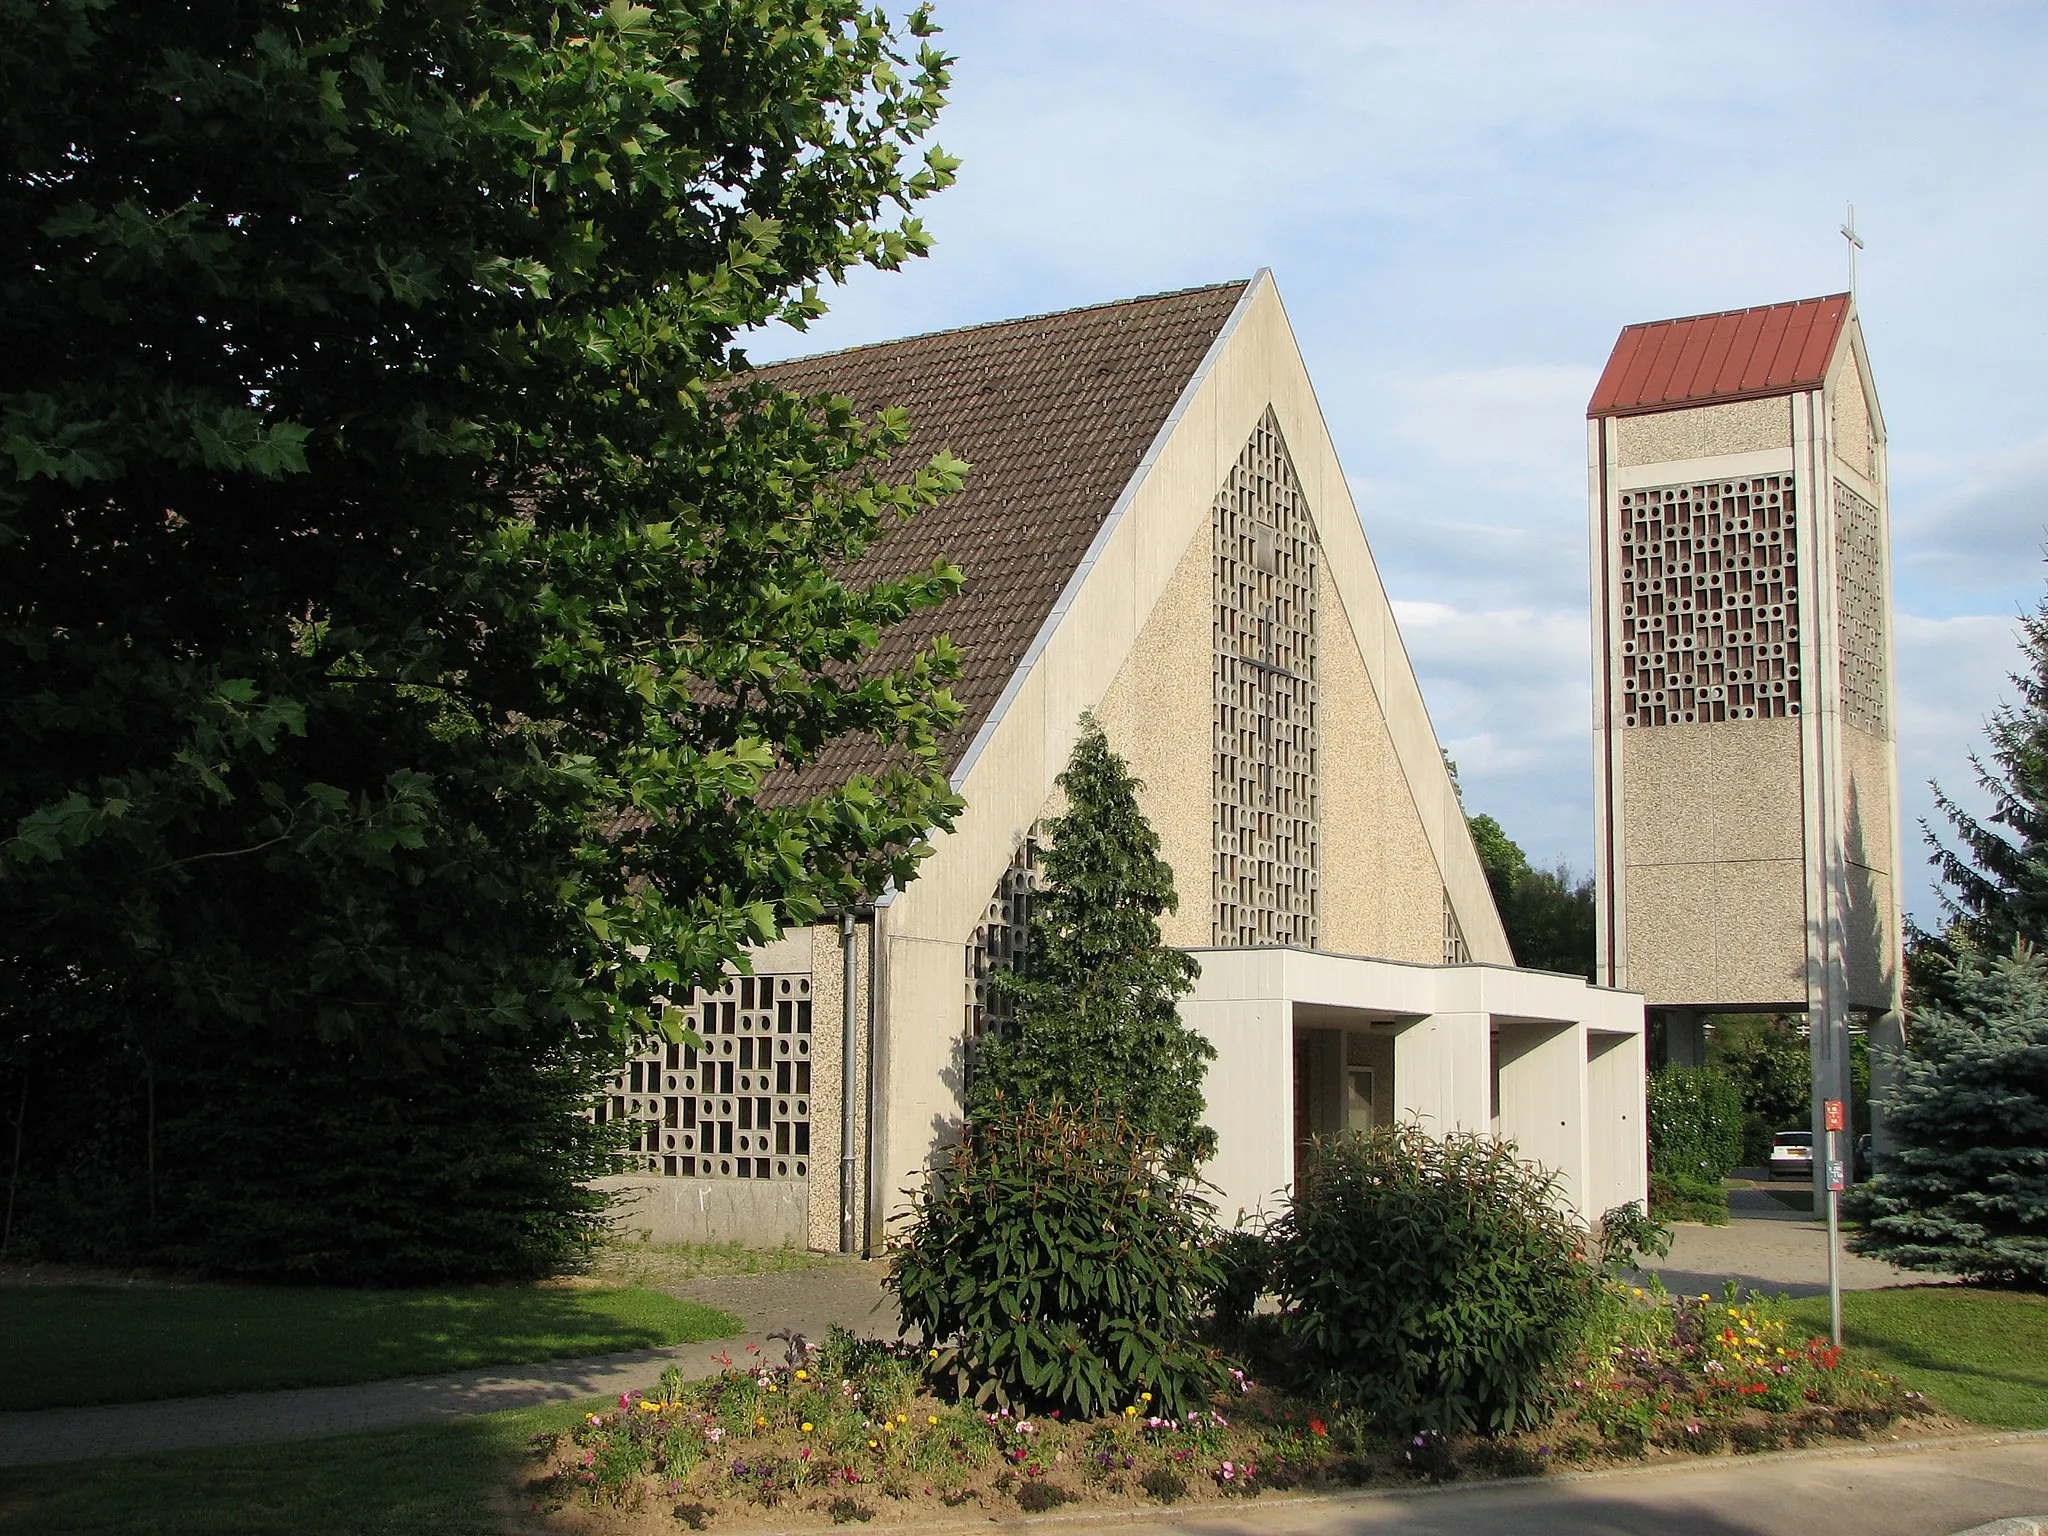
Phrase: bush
x=1965 y=1190
x=1695 y=1122
x=1057 y=1264
x=1244 y=1265
x=1435 y=1284
x=1628 y=1235
x=1681 y=1197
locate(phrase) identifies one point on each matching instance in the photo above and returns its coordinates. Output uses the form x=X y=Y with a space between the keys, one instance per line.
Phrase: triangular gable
x=1253 y=366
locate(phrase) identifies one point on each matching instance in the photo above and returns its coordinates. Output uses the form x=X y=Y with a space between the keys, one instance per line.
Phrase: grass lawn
x=1980 y=1354
x=70 y=1345
x=451 y=1479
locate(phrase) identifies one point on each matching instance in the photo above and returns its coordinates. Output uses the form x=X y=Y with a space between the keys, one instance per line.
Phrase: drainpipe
x=849 y=1119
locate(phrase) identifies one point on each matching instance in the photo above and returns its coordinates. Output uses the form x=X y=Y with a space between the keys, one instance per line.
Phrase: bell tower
x=1745 y=772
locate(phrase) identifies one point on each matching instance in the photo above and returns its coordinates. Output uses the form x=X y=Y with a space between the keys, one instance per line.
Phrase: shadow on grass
x=74 y=1345
x=455 y=1479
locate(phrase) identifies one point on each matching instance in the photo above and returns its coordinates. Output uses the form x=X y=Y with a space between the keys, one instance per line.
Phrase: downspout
x=849 y=1118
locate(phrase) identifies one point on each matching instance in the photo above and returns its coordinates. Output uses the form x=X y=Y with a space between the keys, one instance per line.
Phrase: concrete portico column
x=1440 y=1072
x=1253 y=1116
x=1615 y=1118
x=1542 y=1072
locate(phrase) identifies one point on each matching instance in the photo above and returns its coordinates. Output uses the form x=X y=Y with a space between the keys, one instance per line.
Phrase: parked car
x=1792 y=1155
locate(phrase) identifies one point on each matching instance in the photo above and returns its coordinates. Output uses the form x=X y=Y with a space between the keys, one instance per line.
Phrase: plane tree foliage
x=414 y=620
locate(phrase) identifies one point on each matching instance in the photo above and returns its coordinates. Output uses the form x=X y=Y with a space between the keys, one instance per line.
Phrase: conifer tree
x=1095 y=1020
x=1996 y=882
x=1966 y=1190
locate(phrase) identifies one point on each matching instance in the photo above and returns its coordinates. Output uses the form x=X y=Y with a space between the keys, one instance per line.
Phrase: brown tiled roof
x=1738 y=354
x=1053 y=414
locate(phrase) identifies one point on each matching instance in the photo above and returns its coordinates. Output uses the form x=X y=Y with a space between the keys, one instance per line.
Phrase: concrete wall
x=1616 y=1120
x=1382 y=888
x=1254 y=1121
x=1541 y=1070
x=1715 y=863
x=1158 y=714
x=1705 y=431
x=760 y=1213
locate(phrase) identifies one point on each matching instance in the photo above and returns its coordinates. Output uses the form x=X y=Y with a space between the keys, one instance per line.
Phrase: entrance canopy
x=1311 y=1043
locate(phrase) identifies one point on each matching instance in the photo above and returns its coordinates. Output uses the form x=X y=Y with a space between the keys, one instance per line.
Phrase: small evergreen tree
x=1095 y=1016
x=1966 y=1190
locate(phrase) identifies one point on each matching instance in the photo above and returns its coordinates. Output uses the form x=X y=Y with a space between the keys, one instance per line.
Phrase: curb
x=2023 y=1525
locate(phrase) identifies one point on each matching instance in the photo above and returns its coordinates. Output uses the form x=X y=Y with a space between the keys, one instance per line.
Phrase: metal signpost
x=1837 y=1120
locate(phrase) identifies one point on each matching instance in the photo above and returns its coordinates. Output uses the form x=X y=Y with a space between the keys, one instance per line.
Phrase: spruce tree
x=1095 y=1017
x=1966 y=1190
x=1996 y=881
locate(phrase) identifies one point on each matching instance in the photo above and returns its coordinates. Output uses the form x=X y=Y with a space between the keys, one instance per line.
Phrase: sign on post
x=1837 y=1116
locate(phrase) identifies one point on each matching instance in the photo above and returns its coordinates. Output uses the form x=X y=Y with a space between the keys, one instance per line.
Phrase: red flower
x=1315 y=1427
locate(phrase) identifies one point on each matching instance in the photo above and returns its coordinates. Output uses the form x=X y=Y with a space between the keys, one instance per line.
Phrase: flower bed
x=849 y=1431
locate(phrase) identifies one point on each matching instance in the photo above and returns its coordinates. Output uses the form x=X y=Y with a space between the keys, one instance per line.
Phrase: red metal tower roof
x=1738 y=354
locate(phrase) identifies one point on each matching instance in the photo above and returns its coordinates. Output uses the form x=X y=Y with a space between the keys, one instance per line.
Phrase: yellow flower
x=1635 y=1290
x=935 y=1354
x=1144 y=1397
x=771 y=1386
x=904 y=1418
x=888 y=1428
x=803 y=1375
x=1131 y=1412
x=874 y=1445
x=807 y=1428
x=931 y=1418
x=760 y=1423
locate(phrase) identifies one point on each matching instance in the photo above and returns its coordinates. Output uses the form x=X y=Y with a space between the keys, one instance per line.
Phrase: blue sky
x=1463 y=204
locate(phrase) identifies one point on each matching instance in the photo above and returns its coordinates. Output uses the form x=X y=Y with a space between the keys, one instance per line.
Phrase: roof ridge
x=1722 y=314
x=990 y=325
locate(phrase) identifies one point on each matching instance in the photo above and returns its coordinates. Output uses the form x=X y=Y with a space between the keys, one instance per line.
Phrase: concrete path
x=1864 y=1491
x=806 y=1301
x=1767 y=1247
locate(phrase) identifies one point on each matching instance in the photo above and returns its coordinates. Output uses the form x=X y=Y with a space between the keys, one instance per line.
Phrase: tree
x=1548 y=914
x=1771 y=1066
x=406 y=594
x=1995 y=883
x=1966 y=1189
x=1095 y=1018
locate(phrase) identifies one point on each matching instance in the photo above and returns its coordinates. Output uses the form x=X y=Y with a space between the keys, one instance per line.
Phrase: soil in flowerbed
x=848 y=1434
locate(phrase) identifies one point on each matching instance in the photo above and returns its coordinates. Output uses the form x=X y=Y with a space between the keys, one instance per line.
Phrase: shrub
x=1057 y=1264
x=1628 y=1235
x=1681 y=1197
x=1244 y=1264
x=1695 y=1122
x=1435 y=1284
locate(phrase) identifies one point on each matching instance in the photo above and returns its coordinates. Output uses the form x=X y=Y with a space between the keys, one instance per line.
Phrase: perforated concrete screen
x=1456 y=951
x=1859 y=609
x=999 y=940
x=1709 y=602
x=740 y=1108
x=1267 y=861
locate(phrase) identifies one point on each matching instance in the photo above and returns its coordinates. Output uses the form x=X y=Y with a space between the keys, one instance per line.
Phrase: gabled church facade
x=1156 y=529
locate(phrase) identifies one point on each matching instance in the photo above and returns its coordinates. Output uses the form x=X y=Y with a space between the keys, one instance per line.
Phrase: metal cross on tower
x=1855 y=244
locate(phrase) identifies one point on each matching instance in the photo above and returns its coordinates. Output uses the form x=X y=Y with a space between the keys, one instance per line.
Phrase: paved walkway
x=1767 y=1247
x=1876 y=1491
x=806 y=1301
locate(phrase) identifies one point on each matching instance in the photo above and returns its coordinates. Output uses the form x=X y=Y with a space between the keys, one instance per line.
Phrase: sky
x=1462 y=206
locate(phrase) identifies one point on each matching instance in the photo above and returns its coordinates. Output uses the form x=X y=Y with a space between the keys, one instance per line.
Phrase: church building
x=1156 y=530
